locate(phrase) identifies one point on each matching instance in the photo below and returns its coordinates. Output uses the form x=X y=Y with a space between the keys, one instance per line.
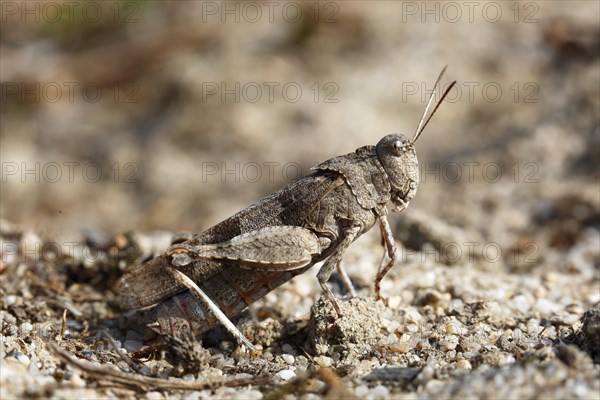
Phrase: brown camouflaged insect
x=218 y=273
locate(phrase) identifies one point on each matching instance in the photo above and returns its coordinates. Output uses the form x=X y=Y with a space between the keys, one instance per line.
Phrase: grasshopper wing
x=274 y=248
x=149 y=283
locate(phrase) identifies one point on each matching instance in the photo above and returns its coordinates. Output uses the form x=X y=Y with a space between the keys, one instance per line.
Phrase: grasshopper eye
x=398 y=147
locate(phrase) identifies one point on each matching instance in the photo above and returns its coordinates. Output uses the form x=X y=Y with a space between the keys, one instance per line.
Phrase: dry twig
x=105 y=373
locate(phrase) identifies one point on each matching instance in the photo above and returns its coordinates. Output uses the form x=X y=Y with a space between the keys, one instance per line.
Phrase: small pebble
x=286 y=374
x=506 y=359
x=520 y=303
x=336 y=357
x=450 y=342
x=324 y=361
x=394 y=302
x=421 y=344
x=361 y=391
x=132 y=345
x=413 y=316
x=226 y=345
x=288 y=358
x=392 y=326
x=400 y=347
x=287 y=348
x=89 y=354
x=25 y=327
x=153 y=395
x=452 y=328
x=463 y=364
x=365 y=365
x=546 y=307
x=9 y=318
x=426 y=280
x=408 y=296
x=23 y=359
x=321 y=348
x=31 y=240
x=380 y=392
x=76 y=381
x=225 y=393
x=388 y=339
x=301 y=360
x=10 y=300
x=14 y=366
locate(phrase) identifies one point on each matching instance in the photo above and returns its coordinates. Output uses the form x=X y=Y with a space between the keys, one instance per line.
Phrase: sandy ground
x=152 y=118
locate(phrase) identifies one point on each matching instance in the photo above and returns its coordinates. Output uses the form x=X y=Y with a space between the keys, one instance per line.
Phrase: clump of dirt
x=357 y=331
x=186 y=354
x=264 y=332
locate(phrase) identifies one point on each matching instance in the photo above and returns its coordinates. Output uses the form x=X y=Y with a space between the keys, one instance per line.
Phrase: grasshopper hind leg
x=215 y=310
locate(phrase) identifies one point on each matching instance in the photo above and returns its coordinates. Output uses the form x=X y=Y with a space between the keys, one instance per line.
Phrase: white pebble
x=225 y=393
x=546 y=307
x=413 y=316
x=388 y=340
x=393 y=326
x=426 y=280
x=365 y=365
x=520 y=303
x=408 y=296
x=11 y=367
x=23 y=359
x=288 y=358
x=324 y=361
x=8 y=317
x=380 y=392
x=361 y=391
x=506 y=359
x=322 y=348
x=30 y=240
x=25 y=327
x=453 y=327
x=11 y=299
x=77 y=382
x=286 y=374
x=450 y=342
x=394 y=302
x=153 y=395
x=392 y=338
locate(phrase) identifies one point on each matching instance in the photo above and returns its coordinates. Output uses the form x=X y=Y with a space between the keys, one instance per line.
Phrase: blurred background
x=140 y=115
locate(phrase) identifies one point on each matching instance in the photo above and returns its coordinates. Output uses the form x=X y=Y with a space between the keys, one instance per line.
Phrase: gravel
x=497 y=290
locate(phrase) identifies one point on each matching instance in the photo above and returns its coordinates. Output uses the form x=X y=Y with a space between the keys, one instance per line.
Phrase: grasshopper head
x=399 y=159
x=397 y=155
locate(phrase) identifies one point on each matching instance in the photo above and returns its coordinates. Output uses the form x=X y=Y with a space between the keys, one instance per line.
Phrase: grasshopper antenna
x=422 y=125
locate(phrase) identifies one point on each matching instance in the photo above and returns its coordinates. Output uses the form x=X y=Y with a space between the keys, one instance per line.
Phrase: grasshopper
x=216 y=274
